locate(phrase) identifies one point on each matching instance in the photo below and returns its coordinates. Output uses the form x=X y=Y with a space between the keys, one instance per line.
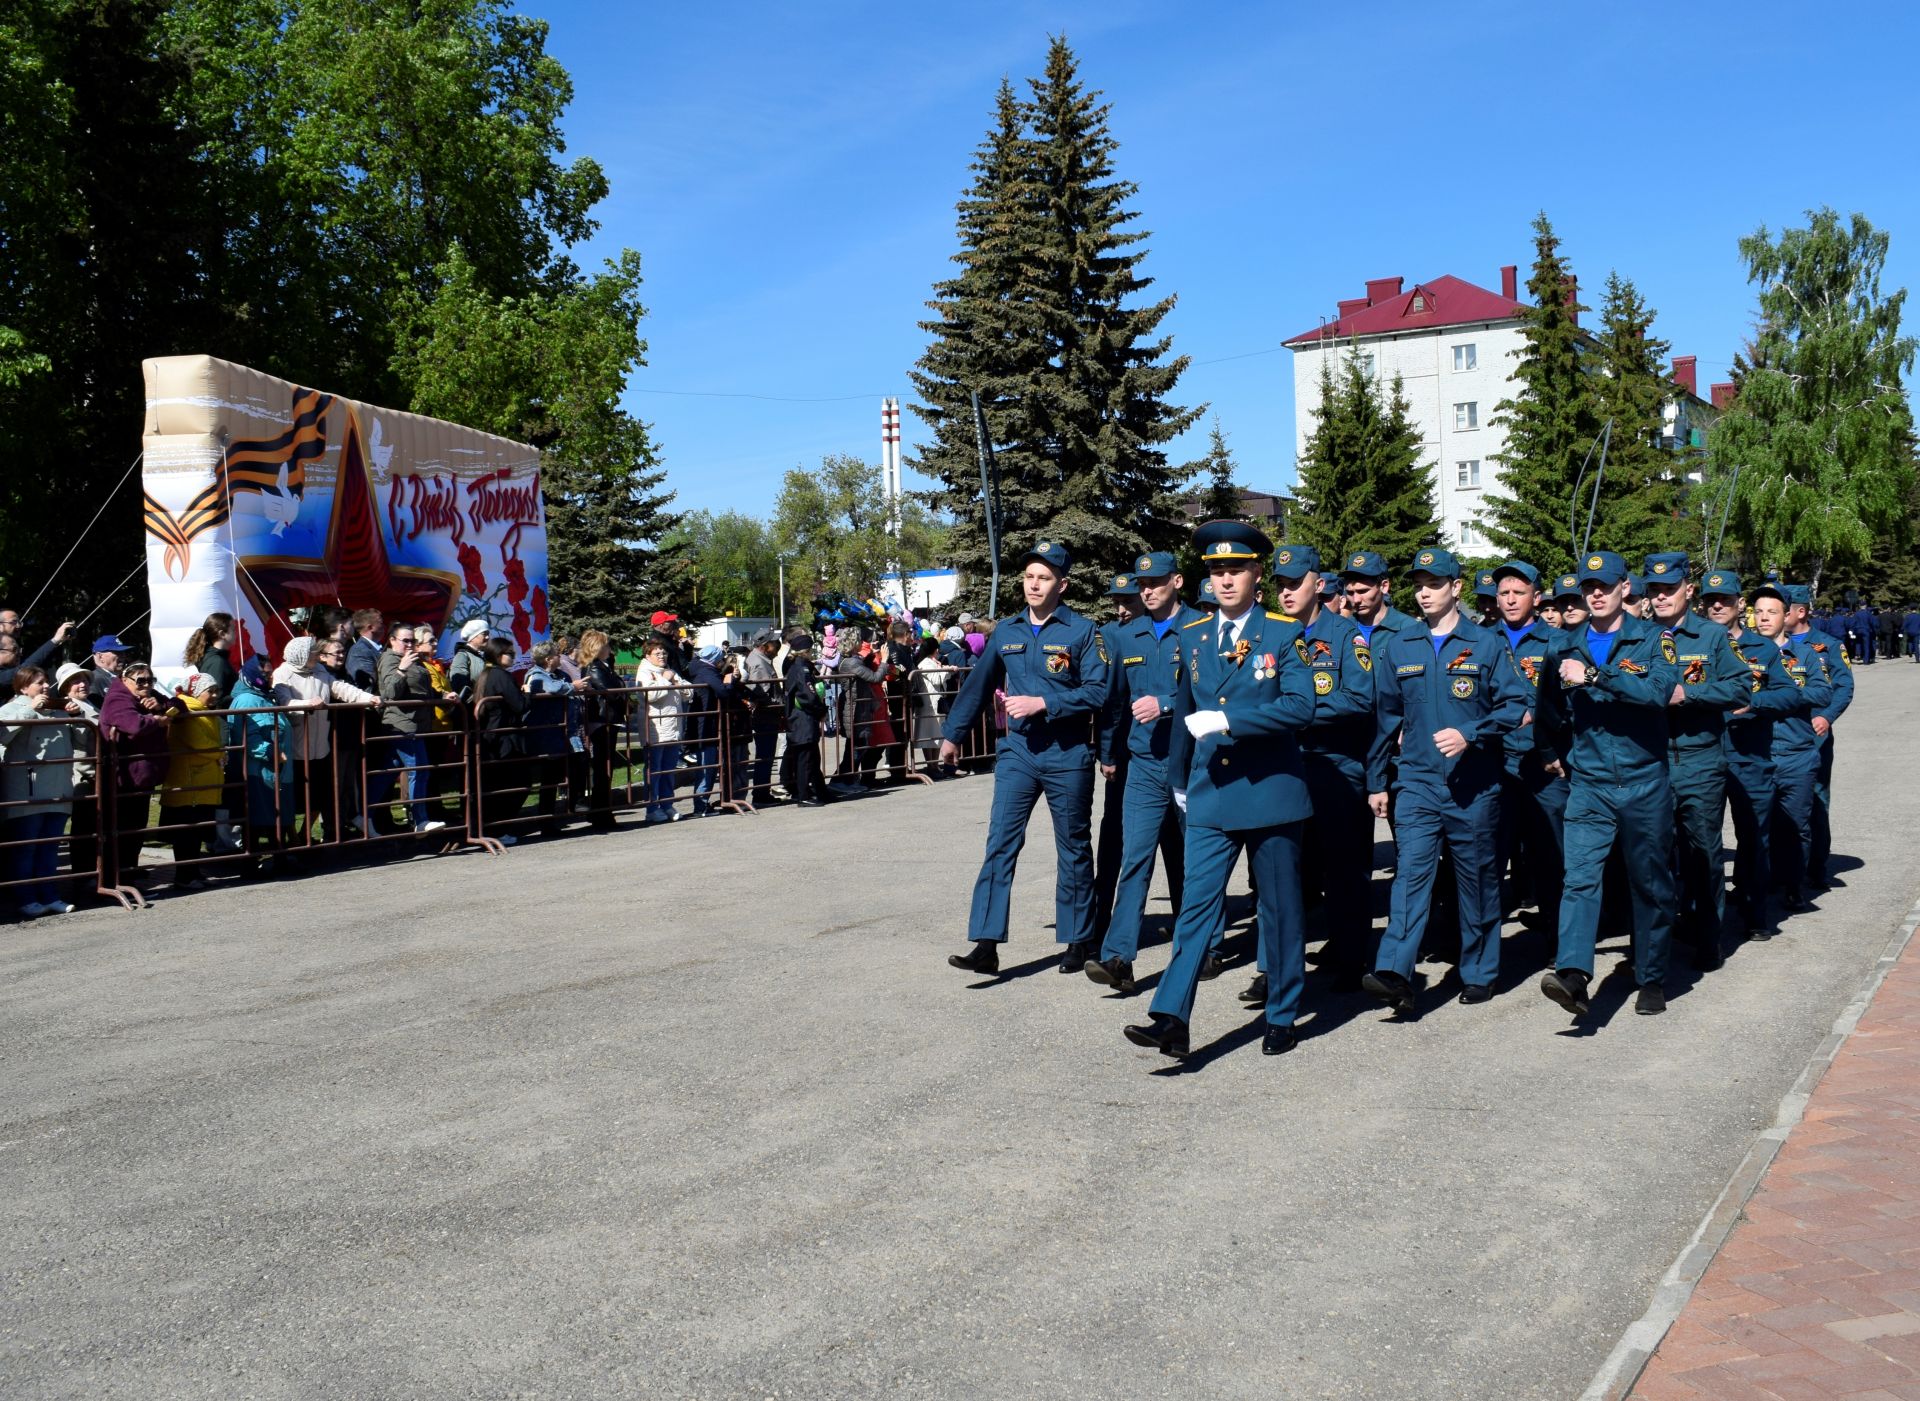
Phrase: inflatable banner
x=264 y=499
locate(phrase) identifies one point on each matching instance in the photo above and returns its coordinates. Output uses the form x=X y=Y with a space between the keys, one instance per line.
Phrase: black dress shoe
x=1568 y=987
x=1278 y=1041
x=1114 y=972
x=1760 y=933
x=1476 y=992
x=1073 y=958
x=985 y=958
x=1165 y=1033
x=1391 y=989
x=1652 y=1000
x=1212 y=966
x=1255 y=991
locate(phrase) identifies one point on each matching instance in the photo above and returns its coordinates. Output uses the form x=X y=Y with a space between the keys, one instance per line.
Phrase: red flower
x=522 y=633
x=516 y=573
x=470 y=564
x=539 y=609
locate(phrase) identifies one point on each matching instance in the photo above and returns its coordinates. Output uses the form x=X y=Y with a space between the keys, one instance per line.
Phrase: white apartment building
x=1454 y=346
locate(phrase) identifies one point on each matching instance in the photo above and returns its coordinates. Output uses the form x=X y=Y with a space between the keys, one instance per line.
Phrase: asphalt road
x=703 y=1112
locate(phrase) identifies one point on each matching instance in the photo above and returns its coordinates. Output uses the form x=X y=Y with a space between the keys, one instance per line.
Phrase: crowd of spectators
x=261 y=767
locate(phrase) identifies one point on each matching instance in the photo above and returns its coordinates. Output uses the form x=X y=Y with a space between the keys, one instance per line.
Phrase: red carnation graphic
x=470 y=564
x=516 y=572
x=522 y=633
x=539 y=609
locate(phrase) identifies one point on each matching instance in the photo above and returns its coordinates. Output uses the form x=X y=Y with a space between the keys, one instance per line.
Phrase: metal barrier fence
x=278 y=789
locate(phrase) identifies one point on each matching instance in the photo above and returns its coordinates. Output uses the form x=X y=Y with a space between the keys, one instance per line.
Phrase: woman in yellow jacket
x=195 y=773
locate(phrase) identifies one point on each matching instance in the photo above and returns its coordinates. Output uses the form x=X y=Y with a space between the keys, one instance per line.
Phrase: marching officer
x=1486 y=599
x=1771 y=696
x=1369 y=586
x=1796 y=743
x=1048 y=661
x=1448 y=695
x=1143 y=664
x=1125 y=596
x=1244 y=695
x=1605 y=716
x=1714 y=680
x=1840 y=678
x=1333 y=756
x=1533 y=786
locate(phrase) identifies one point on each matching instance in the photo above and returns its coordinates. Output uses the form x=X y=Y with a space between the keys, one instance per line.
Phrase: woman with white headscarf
x=303 y=684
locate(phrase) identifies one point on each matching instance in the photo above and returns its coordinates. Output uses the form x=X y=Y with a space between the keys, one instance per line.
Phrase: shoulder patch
x=1362 y=653
x=1197 y=622
x=1281 y=617
x=1667 y=649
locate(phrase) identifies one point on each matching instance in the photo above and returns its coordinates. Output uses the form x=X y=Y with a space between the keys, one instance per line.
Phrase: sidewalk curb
x=1629 y=1358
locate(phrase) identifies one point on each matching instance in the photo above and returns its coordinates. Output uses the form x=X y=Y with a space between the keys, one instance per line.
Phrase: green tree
x=832 y=524
x=1362 y=485
x=733 y=561
x=1220 y=497
x=1640 y=500
x=548 y=368
x=1070 y=364
x=1550 y=423
x=1820 y=425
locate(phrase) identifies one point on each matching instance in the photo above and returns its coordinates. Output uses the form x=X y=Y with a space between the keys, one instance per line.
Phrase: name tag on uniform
x=1013 y=647
x=1131 y=661
x=1414 y=669
x=1050 y=647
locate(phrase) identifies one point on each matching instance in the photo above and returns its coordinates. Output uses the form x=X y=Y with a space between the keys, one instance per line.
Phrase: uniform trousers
x=1152 y=822
x=1108 y=849
x=1638 y=818
x=1699 y=780
x=1533 y=825
x=1425 y=823
x=1019 y=781
x=1822 y=833
x=1338 y=852
x=1273 y=862
x=1796 y=778
x=1750 y=789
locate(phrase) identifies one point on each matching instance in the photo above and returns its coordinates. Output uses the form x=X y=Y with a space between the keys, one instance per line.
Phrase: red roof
x=1445 y=301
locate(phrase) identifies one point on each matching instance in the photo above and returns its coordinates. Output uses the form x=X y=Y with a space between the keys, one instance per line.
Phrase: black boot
x=1165 y=1033
x=1568 y=987
x=985 y=958
x=1114 y=972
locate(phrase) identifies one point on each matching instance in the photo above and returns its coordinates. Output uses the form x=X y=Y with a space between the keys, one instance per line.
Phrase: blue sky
x=788 y=174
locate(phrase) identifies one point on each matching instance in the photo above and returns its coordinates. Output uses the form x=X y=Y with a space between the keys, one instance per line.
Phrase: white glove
x=1180 y=799
x=1202 y=723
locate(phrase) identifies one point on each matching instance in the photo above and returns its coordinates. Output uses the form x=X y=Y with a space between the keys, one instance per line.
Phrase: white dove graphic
x=280 y=505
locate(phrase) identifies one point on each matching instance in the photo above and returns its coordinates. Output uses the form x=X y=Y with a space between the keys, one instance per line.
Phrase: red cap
x=662 y=618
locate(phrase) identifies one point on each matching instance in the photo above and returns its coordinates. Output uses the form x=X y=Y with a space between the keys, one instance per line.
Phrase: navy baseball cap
x=1364 y=564
x=1206 y=598
x=1602 y=566
x=1123 y=586
x=1568 y=586
x=1483 y=585
x=1435 y=561
x=1295 y=561
x=1720 y=583
x=1769 y=590
x=110 y=643
x=1667 y=568
x=1051 y=553
x=1155 y=564
x=1520 y=569
x=1798 y=595
x=1224 y=541
x=1636 y=586
x=1330 y=586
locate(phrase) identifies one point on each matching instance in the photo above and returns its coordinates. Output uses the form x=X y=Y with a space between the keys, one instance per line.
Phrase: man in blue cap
x=1448 y=695
x=1636 y=596
x=1143 y=658
x=109 y=656
x=1333 y=594
x=1486 y=598
x=1338 y=843
x=1203 y=598
x=1124 y=594
x=1244 y=695
x=1533 y=786
x=1714 y=680
x=1771 y=696
x=1571 y=600
x=1050 y=663
x=1815 y=666
x=1840 y=678
x=1369 y=597
x=1604 y=714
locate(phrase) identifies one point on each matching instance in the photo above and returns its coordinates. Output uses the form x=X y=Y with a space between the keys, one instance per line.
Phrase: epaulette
x=1282 y=617
x=1194 y=624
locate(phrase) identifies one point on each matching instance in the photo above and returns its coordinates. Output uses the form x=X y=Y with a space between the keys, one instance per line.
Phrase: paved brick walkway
x=1816 y=1293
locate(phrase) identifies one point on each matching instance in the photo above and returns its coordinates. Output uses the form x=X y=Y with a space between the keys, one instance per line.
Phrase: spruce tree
x=1639 y=502
x=1220 y=498
x=1362 y=485
x=1550 y=425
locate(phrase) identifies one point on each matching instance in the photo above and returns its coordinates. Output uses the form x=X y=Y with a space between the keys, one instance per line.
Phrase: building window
x=1366 y=365
x=1468 y=472
x=1470 y=535
x=1465 y=358
x=1466 y=415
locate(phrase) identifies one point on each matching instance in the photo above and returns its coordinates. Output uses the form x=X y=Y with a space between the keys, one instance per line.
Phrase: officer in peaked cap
x=1449 y=694
x=1771 y=696
x=1605 y=718
x=1124 y=593
x=1143 y=658
x=1338 y=843
x=1840 y=677
x=1369 y=588
x=1533 y=786
x=1713 y=681
x=1050 y=663
x=1244 y=694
